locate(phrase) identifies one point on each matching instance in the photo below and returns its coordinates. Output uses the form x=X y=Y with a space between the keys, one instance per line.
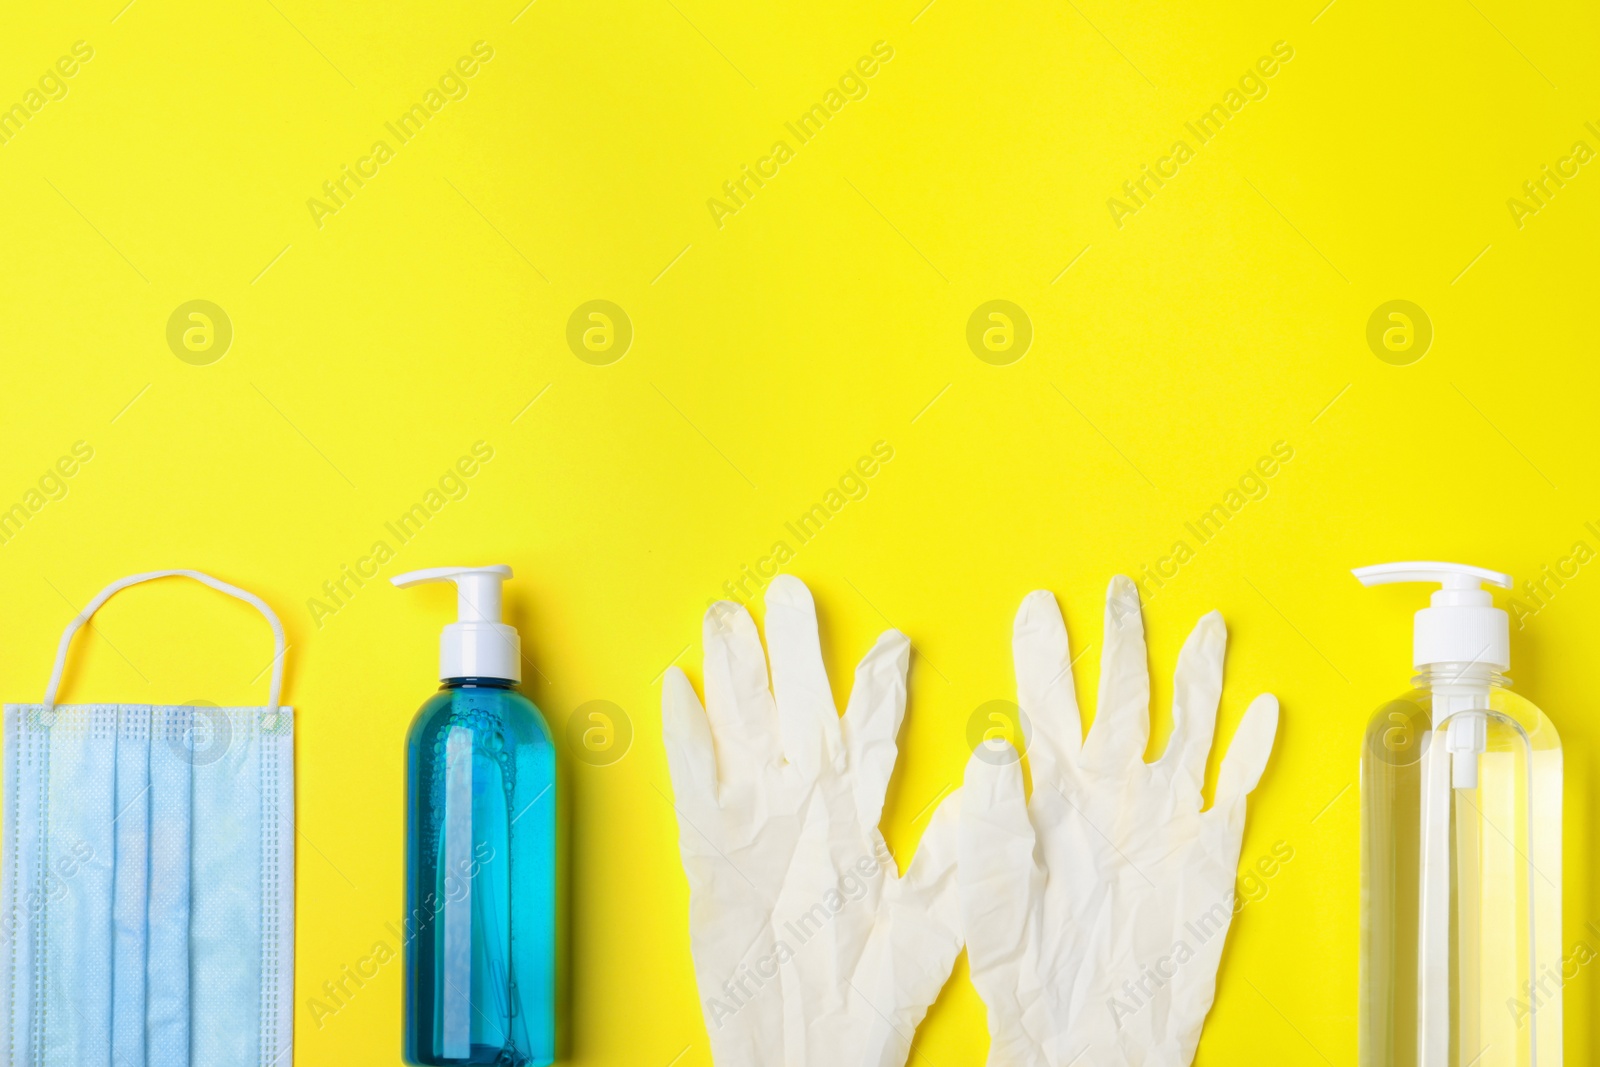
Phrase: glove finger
x=1197 y=690
x=995 y=856
x=744 y=722
x=872 y=722
x=914 y=943
x=1121 y=727
x=806 y=712
x=1044 y=684
x=930 y=880
x=1247 y=753
x=686 y=735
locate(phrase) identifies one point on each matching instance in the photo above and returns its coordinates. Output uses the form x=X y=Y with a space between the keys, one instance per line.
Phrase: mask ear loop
x=204 y=579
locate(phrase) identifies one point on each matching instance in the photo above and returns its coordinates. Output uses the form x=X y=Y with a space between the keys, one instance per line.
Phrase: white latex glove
x=809 y=949
x=1096 y=912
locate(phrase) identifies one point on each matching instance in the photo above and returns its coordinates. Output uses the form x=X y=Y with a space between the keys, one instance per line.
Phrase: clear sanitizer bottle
x=481 y=928
x=1461 y=785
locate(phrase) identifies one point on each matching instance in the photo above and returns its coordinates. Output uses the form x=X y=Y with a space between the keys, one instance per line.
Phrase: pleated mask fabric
x=147 y=884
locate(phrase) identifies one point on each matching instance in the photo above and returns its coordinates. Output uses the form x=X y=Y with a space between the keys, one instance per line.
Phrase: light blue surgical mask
x=147 y=904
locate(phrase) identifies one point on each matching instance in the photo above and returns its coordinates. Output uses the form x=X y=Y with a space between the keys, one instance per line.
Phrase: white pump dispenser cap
x=477 y=644
x=1461 y=625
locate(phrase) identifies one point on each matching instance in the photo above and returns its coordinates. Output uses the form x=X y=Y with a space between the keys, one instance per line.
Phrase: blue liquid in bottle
x=481 y=880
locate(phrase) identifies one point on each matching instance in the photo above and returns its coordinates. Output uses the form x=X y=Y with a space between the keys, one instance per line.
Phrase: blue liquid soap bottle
x=481 y=926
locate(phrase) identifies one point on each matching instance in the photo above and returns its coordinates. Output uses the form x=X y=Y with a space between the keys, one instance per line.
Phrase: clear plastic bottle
x=1461 y=784
x=482 y=932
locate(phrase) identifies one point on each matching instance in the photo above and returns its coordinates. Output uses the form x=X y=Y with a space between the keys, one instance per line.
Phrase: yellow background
x=829 y=313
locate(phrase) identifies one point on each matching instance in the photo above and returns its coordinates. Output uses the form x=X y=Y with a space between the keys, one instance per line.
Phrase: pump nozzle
x=478 y=644
x=1461 y=625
